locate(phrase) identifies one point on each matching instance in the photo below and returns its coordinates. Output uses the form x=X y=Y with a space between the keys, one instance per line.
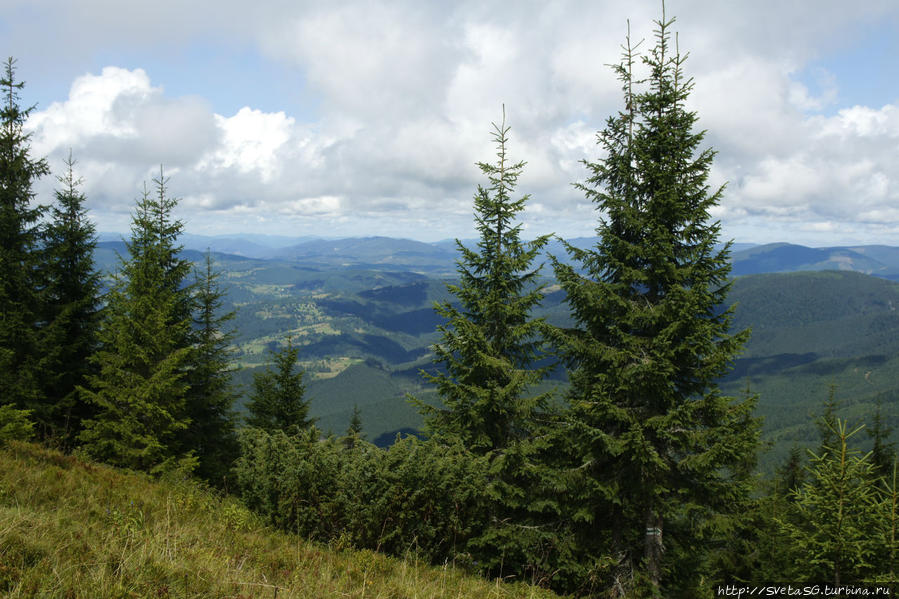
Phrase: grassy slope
x=69 y=528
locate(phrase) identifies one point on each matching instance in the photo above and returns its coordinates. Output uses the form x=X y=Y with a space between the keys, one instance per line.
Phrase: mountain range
x=439 y=258
x=361 y=310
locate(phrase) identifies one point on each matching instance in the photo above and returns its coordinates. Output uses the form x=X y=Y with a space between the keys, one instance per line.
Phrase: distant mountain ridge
x=878 y=260
x=439 y=258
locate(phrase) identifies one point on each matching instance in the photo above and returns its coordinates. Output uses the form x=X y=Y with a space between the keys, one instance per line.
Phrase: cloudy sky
x=366 y=118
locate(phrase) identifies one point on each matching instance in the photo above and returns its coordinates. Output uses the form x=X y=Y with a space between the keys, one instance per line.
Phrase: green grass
x=70 y=528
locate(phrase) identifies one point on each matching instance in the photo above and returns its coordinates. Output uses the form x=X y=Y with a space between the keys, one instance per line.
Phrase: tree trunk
x=654 y=549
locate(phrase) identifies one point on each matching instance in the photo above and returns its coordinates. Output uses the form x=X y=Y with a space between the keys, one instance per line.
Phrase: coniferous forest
x=640 y=480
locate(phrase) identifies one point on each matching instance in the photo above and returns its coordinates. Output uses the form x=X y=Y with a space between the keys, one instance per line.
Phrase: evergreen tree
x=72 y=312
x=657 y=448
x=827 y=422
x=20 y=258
x=791 y=475
x=354 y=430
x=890 y=526
x=883 y=453
x=210 y=399
x=489 y=342
x=836 y=530
x=145 y=347
x=277 y=401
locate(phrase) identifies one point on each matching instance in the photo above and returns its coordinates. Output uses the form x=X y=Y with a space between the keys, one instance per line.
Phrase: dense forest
x=642 y=481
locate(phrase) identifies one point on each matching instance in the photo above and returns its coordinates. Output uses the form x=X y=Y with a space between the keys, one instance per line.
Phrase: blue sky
x=367 y=118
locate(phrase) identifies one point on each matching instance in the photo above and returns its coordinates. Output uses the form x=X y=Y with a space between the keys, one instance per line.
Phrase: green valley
x=366 y=333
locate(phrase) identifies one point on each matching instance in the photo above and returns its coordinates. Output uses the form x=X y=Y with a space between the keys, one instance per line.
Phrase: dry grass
x=70 y=528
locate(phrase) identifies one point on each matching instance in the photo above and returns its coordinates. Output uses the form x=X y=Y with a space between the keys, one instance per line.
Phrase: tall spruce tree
x=656 y=447
x=210 y=399
x=490 y=342
x=72 y=311
x=140 y=390
x=277 y=401
x=20 y=284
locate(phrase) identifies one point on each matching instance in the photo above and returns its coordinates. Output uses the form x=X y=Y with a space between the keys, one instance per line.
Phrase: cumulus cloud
x=404 y=94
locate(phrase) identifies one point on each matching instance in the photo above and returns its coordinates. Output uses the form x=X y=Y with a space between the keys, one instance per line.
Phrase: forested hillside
x=811 y=331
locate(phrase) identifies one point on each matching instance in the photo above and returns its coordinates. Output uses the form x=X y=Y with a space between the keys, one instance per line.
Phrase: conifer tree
x=210 y=399
x=72 y=311
x=791 y=475
x=489 y=342
x=836 y=532
x=354 y=430
x=827 y=422
x=277 y=402
x=139 y=392
x=883 y=452
x=889 y=528
x=355 y=427
x=20 y=283
x=657 y=449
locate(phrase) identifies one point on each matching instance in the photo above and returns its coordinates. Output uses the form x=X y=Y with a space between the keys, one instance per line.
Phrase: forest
x=641 y=480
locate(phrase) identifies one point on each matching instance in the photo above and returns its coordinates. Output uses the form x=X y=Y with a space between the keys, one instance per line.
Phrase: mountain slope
x=70 y=528
x=811 y=330
x=786 y=257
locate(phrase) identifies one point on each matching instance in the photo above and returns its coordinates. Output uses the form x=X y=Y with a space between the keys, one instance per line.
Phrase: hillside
x=70 y=528
x=811 y=330
x=365 y=330
x=365 y=334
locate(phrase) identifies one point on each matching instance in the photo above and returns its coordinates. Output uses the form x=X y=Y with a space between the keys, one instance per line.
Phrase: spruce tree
x=145 y=347
x=72 y=311
x=827 y=422
x=355 y=427
x=20 y=284
x=791 y=474
x=277 y=401
x=490 y=342
x=883 y=452
x=354 y=430
x=210 y=399
x=837 y=530
x=889 y=526
x=660 y=456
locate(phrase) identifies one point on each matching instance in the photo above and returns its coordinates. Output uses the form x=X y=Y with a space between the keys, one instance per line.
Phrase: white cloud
x=251 y=141
x=404 y=94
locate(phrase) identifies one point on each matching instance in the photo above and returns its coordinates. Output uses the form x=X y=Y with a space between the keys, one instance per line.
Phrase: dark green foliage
x=15 y=424
x=827 y=423
x=354 y=430
x=883 y=453
x=277 y=402
x=660 y=456
x=836 y=530
x=489 y=342
x=210 y=399
x=140 y=390
x=528 y=535
x=791 y=475
x=887 y=563
x=72 y=312
x=20 y=282
x=418 y=496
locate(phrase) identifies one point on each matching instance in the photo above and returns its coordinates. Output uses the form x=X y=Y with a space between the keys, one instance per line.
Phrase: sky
x=343 y=119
